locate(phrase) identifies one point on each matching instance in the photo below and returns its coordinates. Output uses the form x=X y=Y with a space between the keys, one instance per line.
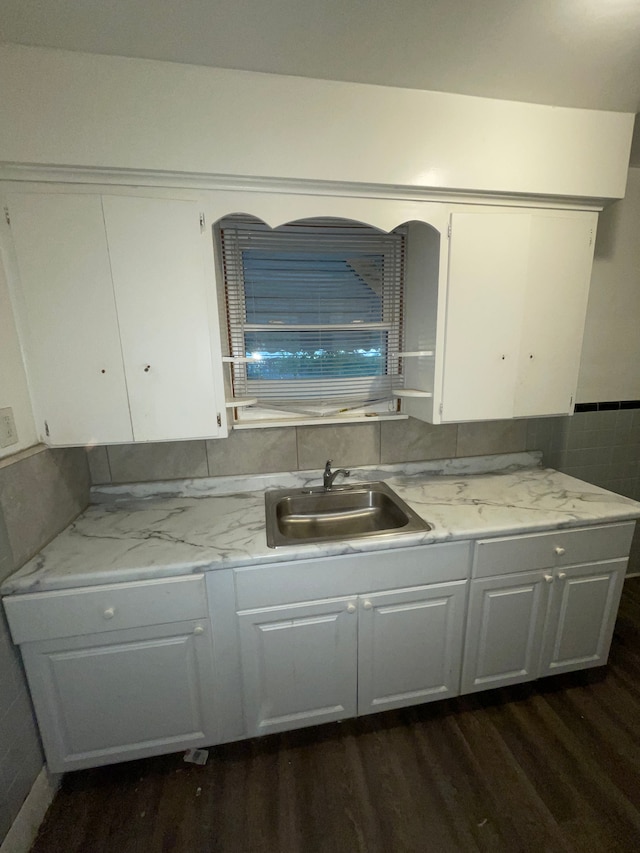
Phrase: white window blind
x=317 y=307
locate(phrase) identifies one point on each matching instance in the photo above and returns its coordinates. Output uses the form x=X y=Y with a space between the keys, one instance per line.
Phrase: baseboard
x=25 y=827
x=629 y=575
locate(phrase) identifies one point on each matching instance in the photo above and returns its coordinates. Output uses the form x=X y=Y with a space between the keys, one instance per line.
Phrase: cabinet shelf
x=411 y=392
x=240 y=402
x=414 y=353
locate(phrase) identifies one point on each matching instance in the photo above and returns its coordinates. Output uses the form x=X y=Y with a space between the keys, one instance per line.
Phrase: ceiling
x=575 y=53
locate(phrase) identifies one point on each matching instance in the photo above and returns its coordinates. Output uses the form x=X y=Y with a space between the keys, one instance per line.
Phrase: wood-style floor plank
x=549 y=766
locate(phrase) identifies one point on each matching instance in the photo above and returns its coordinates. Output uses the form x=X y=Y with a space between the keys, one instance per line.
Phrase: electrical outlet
x=8 y=432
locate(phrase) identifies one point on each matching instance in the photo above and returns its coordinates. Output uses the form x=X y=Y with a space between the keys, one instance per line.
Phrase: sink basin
x=296 y=516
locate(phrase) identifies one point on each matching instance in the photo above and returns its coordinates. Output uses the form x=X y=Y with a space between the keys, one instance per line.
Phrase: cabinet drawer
x=512 y=554
x=74 y=612
x=330 y=577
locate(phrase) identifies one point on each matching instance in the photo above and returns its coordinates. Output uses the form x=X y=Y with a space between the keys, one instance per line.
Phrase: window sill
x=343 y=419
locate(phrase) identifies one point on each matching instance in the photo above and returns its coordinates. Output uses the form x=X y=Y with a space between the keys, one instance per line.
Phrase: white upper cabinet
x=116 y=300
x=166 y=313
x=67 y=310
x=516 y=299
x=487 y=264
x=555 y=306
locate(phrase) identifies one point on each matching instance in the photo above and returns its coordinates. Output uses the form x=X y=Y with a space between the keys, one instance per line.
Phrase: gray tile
x=413 y=441
x=98 y=465
x=6 y=557
x=580 y=421
x=595 y=474
x=552 y=458
x=40 y=495
x=625 y=453
x=161 y=460
x=602 y=420
x=476 y=439
x=624 y=421
x=589 y=456
x=12 y=681
x=17 y=792
x=346 y=444
x=5 y=820
x=549 y=436
x=580 y=472
x=253 y=451
x=624 y=469
x=624 y=487
x=597 y=438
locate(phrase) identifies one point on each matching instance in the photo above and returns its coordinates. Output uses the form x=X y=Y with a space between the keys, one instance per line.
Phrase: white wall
x=610 y=366
x=102 y=111
x=13 y=382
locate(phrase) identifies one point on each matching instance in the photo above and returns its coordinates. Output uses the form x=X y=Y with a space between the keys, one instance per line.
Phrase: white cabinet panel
x=165 y=307
x=410 y=646
x=556 y=615
x=117 y=307
x=504 y=630
x=582 y=612
x=107 y=607
x=555 y=308
x=67 y=314
x=487 y=261
x=299 y=664
x=121 y=695
x=505 y=555
x=517 y=291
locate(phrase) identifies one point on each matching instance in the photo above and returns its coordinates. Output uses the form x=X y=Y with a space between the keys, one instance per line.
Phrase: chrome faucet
x=329 y=475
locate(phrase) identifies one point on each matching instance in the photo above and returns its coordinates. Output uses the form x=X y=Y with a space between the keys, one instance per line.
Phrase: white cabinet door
x=410 y=646
x=517 y=293
x=299 y=664
x=555 y=307
x=123 y=694
x=488 y=256
x=582 y=613
x=504 y=630
x=167 y=313
x=67 y=315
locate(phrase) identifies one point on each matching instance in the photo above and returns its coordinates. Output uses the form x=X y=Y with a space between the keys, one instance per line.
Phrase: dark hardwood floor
x=550 y=766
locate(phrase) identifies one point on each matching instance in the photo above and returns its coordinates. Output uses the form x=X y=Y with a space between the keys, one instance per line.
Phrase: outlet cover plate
x=8 y=431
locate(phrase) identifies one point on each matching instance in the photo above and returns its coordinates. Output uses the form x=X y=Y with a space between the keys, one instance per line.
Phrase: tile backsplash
x=602 y=447
x=41 y=491
x=263 y=451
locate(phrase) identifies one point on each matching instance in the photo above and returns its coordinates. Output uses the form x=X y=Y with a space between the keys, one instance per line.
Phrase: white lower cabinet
x=104 y=691
x=549 y=617
x=319 y=661
x=504 y=631
x=581 y=616
x=410 y=645
x=299 y=664
x=129 y=670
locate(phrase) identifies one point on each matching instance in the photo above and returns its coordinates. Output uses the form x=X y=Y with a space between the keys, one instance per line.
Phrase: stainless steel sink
x=296 y=516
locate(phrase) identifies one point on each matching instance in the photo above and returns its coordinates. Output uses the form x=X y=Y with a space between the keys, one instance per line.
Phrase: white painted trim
x=105 y=177
x=66 y=108
x=25 y=827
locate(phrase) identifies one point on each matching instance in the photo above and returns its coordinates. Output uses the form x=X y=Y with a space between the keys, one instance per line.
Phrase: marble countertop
x=158 y=530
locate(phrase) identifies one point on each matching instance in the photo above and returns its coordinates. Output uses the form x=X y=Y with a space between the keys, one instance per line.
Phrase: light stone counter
x=165 y=529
